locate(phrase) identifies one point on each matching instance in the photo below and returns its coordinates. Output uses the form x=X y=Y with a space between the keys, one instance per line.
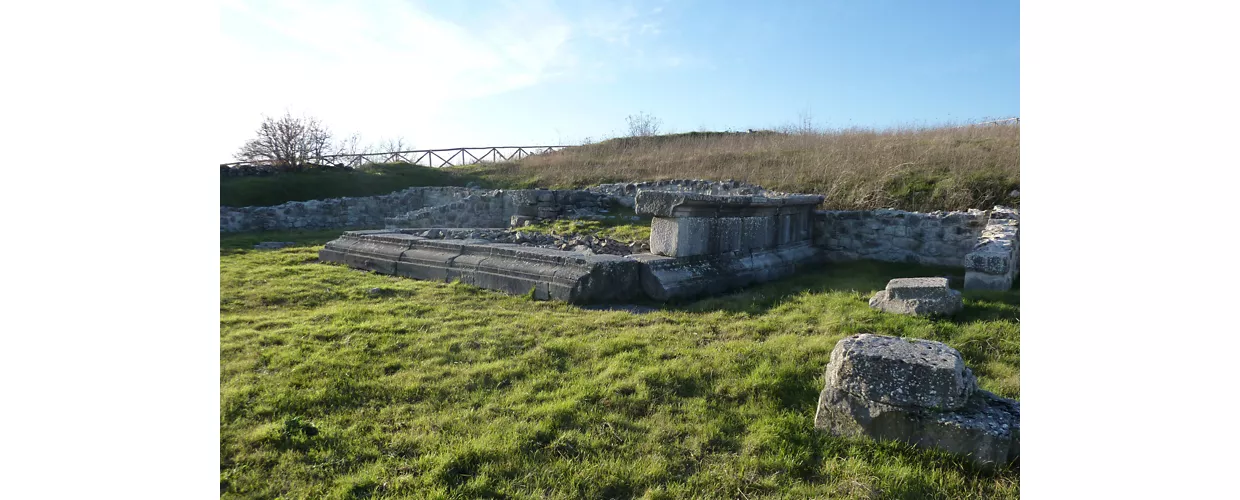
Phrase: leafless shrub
x=643 y=125
x=392 y=145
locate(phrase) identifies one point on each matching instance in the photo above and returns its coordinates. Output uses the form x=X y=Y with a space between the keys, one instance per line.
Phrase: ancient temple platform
x=701 y=244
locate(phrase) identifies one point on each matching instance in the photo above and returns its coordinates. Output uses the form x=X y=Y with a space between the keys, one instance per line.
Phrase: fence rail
x=995 y=122
x=437 y=158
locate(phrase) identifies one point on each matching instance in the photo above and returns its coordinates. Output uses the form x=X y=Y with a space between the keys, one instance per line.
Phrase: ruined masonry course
x=934 y=238
x=514 y=269
x=994 y=261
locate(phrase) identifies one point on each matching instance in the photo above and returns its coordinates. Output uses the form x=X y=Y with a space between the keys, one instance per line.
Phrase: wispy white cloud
x=384 y=64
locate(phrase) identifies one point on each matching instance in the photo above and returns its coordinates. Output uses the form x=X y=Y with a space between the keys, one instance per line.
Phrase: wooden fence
x=426 y=157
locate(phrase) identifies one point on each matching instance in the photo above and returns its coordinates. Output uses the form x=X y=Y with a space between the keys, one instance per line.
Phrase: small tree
x=287 y=141
x=643 y=125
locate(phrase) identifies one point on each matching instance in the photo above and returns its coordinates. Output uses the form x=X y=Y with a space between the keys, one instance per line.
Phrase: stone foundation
x=666 y=278
x=734 y=242
x=514 y=269
x=700 y=243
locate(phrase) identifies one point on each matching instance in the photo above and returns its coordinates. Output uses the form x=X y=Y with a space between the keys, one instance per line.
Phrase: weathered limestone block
x=901 y=371
x=918 y=297
x=918 y=392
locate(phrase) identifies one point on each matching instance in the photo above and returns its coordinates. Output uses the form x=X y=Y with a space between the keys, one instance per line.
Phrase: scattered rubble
x=585 y=244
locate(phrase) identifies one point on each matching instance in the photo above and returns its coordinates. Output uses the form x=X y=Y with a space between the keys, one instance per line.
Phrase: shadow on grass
x=316 y=184
x=238 y=243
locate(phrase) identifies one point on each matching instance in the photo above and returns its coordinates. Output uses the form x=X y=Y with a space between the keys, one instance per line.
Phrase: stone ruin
x=985 y=244
x=699 y=244
x=702 y=244
x=919 y=392
x=995 y=260
x=918 y=297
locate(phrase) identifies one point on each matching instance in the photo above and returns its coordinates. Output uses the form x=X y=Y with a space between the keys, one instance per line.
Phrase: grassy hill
x=922 y=169
x=914 y=169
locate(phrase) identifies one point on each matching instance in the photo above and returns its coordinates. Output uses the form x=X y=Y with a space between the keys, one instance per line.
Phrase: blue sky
x=475 y=73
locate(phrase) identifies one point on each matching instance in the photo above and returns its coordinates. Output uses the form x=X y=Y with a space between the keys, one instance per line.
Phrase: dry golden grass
x=923 y=168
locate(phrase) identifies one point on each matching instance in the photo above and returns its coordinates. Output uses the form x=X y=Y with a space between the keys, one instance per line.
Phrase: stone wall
x=935 y=238
x=348 y=212
x=417 y=207
x=994 y=261
x=496 y=208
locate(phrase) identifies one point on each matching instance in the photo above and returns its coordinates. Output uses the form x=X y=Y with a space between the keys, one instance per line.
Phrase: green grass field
x=438 y=390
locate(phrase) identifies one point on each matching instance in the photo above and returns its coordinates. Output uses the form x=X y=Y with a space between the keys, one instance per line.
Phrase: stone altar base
x=514 y=269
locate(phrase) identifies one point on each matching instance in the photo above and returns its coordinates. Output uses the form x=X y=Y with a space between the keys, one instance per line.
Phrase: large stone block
x=904 y=372
x=688 y=224
x=918 y=392
x=689 y=236
x=918 y=297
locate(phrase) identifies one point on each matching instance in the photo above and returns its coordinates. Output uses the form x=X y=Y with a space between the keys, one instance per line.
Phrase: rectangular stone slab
x=514 y=269
x=917 y=288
